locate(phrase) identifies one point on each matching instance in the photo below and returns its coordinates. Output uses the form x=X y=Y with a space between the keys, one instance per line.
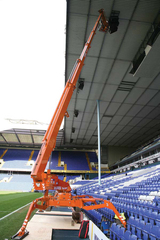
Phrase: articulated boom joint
x=50 y=182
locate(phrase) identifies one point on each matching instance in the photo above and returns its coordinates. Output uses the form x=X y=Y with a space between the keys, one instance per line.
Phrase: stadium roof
x=129 y=102
x=129 y=105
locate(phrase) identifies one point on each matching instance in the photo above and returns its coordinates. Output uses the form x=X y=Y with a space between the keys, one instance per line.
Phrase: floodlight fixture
x=81 y=84
x=73 y=130
x=76 y=112
x=113 y=21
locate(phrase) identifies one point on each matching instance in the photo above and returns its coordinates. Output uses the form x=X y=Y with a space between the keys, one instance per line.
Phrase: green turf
x=7 y=192
x=10 y=202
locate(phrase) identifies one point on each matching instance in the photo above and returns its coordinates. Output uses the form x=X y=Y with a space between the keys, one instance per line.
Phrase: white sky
x=32 y=59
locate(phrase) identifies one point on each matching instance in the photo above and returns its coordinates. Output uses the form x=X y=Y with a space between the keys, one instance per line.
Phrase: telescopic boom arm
x=47 y=181
x=42 y=181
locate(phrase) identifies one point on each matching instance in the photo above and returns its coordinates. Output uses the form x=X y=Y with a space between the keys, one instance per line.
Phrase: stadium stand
x=134 y=193
x=3 y=177
x=19 y=159
x=16 y=182
x=14 y=154
x=75 y=160
x=53 y=163
x=18 y=163
x=71 y=177
x=137 y=195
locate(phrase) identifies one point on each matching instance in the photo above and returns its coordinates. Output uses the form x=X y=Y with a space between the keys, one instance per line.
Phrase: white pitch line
x=14 y=211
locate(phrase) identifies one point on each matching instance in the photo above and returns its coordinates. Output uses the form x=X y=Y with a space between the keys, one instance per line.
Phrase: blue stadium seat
x=121 y=233
x=138 y=229
x=147 y=231
x=126 y=236
x=112 y=231
x=117 y=230
x=155 y=233
x=133 y=237
x=157 y=222
x=133 y=229
x=154 y=214
x=142 y=224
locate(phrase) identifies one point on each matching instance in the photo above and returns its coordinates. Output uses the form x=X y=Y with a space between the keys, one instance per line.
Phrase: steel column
x=99 y=143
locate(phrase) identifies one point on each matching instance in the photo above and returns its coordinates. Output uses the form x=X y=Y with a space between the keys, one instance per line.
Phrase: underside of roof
x=26 y=138
x=129 y=103
x=121 y=70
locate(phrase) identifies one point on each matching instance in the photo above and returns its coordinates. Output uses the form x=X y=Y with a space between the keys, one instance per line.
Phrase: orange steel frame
x=47 y=181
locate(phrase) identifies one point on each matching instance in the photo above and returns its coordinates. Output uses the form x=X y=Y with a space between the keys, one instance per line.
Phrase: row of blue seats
x=18 y=154
x=142 y=204
x=74 y=160
x=142 y=229
x=142 y=190
x=134 y=196
x=153 y=179
x=107 y=213
x=146 y=185
x=142 y=214
x=135 y=209
x=94 y=216
x=130 y=195
x=118 y=233
x=141 y=187
x=144 y=232
x=105 y=184
x=148 y=216
x=155 y=204
x=135 y=201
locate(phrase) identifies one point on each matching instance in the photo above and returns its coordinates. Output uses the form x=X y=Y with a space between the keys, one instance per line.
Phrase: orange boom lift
x=47 y=181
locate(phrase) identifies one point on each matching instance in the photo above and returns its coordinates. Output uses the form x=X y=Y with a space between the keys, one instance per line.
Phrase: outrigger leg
x=22 y=233
x=65 y=200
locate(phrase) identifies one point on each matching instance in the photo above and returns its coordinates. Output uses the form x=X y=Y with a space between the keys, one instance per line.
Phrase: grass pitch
x=9 y=202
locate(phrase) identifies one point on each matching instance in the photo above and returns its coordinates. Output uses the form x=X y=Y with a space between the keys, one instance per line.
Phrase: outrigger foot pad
x=20 y=237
